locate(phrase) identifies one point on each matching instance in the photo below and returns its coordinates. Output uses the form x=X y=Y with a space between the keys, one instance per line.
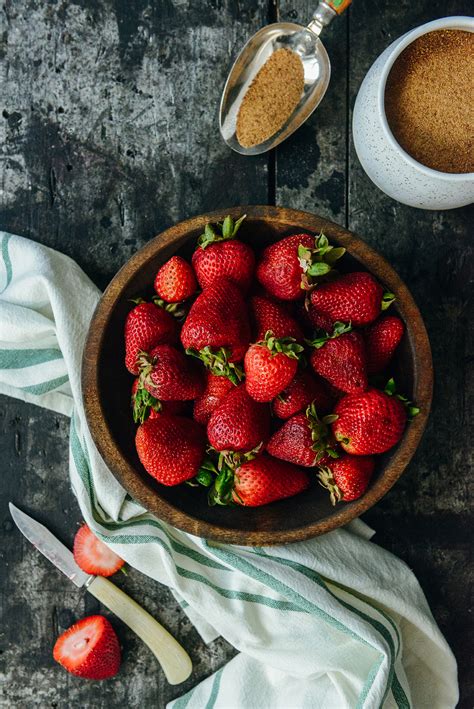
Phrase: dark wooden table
x=110 y=120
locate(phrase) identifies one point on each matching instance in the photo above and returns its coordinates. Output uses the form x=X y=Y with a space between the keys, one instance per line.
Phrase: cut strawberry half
x=89 y=649
x=93 y=556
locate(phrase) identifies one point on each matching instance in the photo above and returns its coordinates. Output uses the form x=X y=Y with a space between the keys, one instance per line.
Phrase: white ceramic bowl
x=391 y=168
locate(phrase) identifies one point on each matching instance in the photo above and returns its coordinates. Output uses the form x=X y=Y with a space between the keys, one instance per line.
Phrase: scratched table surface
x=109 y=123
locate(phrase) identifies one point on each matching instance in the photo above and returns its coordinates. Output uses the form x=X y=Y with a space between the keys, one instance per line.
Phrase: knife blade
x=172 y=657
x=49 y=546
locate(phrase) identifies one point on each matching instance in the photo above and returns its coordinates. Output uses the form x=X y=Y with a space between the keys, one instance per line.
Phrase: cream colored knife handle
x=173 y=658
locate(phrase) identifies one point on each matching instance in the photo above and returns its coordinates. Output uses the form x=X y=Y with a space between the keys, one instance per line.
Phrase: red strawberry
x=304 y=389
x=340 y=358
x=287 y=266
x=169 y=375
x=93 y=556
x=147 y=325
x=347 y=478
x=220 y=255
x=217 y=328
x=258 y=482
x=175 y=281
x=270 y=365
x=239 y=423
x=369 y=423
x=144 y=405
x=382 y=339
x=89 y=649
x=354 y=297
x=216 y=389
x=171 y=448
x=269 y=315
x=304 y=440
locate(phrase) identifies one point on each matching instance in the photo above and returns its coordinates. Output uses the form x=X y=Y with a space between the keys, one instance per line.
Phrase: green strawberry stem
x=340 y=328
x=177 y=310
x=387 y=300
x=143 y=401
x=225 y=230
x=283 y=345
x=217 y=362
x=391 y=390
x=327 y=481
x=320 y=433
x=318 y=262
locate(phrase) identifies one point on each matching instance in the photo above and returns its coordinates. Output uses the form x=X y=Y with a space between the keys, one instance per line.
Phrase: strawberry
x=369 y=423
x=144 y=405
x=304 y=389
x=340 y=358
x=175 y=281
x=220 y=255
x=258 y=482
x=147 y=325
x=354 y=297
x=288 y=266
x=270 y=365
x=239 y=423
x=303 y=439
x=93 y=556
x=171 y=448
x=167 y=374
x=214 y=393
x=269 y=315
x=348 y=477
x=381 y=340
x=89 y=649
x=217 y=328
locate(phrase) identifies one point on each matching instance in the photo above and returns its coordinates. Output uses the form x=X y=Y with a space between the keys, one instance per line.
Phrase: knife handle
x=173 y=658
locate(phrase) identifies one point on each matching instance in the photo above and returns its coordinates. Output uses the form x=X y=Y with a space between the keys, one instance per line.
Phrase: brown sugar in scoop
x=271 y=98
x=429 y=100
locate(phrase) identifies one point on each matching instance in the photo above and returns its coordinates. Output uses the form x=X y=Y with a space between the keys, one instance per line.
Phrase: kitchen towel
x=328 y=623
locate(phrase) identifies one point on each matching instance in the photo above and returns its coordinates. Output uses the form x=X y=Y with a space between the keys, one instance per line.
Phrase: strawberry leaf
x=387 y=300
x=283 y=345
x=318 y=269
x=142 y=402
x=340 y=328
x=177 y=310
x=326 y=480
x=217 y=362
x=225 y=230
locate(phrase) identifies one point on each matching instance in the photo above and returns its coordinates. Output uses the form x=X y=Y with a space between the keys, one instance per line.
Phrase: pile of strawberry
x=279 y=356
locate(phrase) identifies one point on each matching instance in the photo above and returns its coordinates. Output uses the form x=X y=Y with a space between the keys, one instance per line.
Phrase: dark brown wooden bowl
x=106 y=389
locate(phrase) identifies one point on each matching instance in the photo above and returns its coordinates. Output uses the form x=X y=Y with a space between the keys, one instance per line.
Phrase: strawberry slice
x=89 y=649
x=93 y=556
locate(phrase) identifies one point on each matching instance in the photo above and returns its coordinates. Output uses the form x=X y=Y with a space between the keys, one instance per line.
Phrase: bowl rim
x=127 y=475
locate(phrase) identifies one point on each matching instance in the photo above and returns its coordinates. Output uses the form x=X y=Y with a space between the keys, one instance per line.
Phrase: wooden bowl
x=106 y=389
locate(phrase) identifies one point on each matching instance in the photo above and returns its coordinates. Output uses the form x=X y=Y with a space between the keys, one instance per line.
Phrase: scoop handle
x=338 y=5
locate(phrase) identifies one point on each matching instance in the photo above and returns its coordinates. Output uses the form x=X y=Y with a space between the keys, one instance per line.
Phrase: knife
x=173 y=658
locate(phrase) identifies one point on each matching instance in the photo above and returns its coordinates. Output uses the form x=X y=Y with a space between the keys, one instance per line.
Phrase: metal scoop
x=317 y=71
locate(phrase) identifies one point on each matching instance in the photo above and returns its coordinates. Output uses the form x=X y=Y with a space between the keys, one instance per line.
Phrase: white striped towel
x=330 y=623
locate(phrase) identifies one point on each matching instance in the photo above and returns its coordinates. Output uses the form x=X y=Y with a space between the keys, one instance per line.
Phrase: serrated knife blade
x=49 y=546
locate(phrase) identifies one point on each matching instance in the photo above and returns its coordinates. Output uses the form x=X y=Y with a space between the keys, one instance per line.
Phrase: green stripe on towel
x=7 y=262
x=19 y=359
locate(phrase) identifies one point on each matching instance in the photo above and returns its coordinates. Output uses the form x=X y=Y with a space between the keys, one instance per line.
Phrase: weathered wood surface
x=110 y=135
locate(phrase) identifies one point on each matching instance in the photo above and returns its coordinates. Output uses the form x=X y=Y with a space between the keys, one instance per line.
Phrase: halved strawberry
x=89 y=649
x=93 y=556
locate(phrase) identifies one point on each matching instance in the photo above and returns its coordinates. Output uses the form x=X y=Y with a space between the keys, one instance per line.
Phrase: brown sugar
x=429 y=100
x=271 y=98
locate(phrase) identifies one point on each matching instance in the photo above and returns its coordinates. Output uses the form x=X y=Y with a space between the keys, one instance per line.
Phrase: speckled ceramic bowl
x=392 y=169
